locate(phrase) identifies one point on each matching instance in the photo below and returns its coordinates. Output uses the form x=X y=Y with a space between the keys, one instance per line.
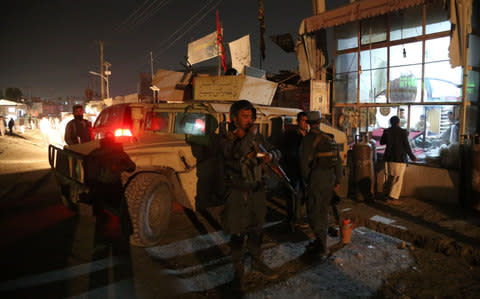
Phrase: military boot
x=259 y=266
x=317 y=250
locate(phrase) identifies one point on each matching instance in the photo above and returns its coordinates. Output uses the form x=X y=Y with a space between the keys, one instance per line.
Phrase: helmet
x=242 y=105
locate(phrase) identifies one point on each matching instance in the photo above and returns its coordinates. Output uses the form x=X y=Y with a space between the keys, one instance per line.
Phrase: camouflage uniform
x=320 y=164
x=245 y=207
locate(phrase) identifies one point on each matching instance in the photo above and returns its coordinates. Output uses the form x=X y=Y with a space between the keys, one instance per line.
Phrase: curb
x=414 y=233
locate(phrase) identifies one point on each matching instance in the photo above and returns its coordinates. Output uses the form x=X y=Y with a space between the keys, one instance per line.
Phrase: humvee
x=176 y=150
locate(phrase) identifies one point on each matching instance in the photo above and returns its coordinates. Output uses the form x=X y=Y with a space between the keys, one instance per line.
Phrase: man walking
x=320 y=165
x=78 y=130
x=395 y=157
x=11 y=124
x=245 y=207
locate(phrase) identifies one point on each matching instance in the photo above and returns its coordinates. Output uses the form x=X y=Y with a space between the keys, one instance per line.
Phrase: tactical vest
x=326 y=152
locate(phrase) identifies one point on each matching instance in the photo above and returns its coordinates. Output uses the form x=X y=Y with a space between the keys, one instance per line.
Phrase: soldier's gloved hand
x=267 y=158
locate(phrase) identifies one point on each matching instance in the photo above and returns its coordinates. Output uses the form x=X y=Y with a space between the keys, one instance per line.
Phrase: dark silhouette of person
x=105 y=165
x=292 y=140
x=11 y=124
x=78 y=130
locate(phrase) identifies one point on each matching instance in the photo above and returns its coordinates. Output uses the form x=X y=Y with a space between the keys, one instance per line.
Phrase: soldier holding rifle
x=245 y=208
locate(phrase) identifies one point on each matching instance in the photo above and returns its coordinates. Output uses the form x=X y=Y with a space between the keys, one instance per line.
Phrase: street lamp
x=155 y=92
x=104 y=77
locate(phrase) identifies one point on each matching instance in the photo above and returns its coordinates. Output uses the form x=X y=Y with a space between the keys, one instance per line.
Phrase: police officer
x=245 y=207
x=106 y=165
x=78 y=130
x=292 y=140
x=320 y=165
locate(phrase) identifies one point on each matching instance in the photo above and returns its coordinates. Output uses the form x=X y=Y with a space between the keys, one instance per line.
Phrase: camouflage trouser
x=244 y=216
x=244 y=211
x=319 y=196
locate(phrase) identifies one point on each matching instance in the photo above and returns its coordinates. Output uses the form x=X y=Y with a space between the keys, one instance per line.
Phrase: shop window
x=347 y=36
x=373 y=30
x=473 y=86
x=437 y=19
x=403 y=115
x=433 y=128
x=406 y=23
x=437 y=49
x=405 y=84
x=406 y=54
x=345 y=84
x=373 y=78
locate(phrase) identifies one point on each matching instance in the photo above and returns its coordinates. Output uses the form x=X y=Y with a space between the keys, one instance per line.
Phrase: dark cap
x=314 y=115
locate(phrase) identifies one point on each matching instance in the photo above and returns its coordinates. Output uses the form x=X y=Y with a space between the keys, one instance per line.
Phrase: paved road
x=52 y=252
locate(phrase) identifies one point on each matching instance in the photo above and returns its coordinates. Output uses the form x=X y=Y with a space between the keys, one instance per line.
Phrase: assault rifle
x=260 y=152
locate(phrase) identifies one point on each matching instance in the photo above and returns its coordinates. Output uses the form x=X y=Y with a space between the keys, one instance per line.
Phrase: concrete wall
x=425 y=182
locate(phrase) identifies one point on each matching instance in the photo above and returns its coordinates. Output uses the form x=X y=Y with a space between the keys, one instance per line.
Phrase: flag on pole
x=240 y=53
x=203 y=49
x=261 y=18
x=220 y=43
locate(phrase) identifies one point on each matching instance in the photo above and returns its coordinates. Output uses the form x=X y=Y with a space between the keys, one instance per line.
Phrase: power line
x=161 y=49
x=132 y=15
x=150 y=13
x=141 y=15
x=189 y=28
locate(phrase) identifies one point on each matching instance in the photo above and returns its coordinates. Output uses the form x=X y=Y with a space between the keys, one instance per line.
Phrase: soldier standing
x=320 y=165
x=245 y=207
x=293 y=139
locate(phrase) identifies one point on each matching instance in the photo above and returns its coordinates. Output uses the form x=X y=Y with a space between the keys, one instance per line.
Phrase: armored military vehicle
x=175 y=147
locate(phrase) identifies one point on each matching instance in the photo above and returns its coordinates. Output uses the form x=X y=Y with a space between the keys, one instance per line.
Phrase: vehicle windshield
x=190 y=123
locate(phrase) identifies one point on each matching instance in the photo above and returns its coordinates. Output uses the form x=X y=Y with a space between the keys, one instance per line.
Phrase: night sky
x=48 y=46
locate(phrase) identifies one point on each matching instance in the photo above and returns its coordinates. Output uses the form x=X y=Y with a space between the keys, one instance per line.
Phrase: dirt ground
x=373 y=265
x=434 y=275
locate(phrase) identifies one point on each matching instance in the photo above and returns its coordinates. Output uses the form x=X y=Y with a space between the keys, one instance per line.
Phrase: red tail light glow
x=123 y=132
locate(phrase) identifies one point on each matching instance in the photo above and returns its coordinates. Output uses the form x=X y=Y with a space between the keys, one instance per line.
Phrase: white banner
x=240 y=53
x=203 y=49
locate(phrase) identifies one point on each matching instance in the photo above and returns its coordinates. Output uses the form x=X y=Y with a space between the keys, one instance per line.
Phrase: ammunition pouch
x=326 y=155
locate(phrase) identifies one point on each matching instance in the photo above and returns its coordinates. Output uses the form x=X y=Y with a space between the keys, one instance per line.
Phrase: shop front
x=413 y=59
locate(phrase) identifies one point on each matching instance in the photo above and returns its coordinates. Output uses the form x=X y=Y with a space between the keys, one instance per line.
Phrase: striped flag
x=220 y=42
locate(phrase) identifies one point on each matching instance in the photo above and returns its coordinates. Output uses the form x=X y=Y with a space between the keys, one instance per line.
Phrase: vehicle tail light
x=123 y=132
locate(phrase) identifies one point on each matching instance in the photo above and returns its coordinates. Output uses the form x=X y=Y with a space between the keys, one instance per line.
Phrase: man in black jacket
x=78 y=130
x=395 y=157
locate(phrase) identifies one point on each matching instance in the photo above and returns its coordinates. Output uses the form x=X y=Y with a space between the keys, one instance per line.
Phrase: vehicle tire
x=149 y=204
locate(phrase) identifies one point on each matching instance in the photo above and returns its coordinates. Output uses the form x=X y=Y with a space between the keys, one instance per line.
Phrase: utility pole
x=151 y=66
x=102 y=88
x=151 y=76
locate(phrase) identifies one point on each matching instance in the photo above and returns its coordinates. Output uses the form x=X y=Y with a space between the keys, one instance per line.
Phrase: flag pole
x=219 y=58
